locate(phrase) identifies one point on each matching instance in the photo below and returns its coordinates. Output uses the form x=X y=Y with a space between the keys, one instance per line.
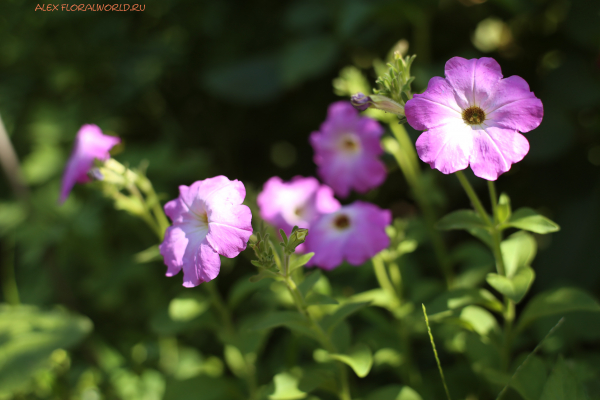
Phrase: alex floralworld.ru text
x=90 y=7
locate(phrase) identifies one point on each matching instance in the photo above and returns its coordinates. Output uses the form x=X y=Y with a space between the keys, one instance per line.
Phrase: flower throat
x=473 y=115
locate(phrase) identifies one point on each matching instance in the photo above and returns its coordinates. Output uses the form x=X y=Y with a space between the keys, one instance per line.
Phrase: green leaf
x=504 y=210
x=563 y=384
x=461 y=219
x=530 y=379
x=514 y=288
x=152 y=253
x=360 y=359
x=343 y=312
x=186 y=309
x=235 y=361
x=482 y=234
x=286 y=387
x=518 y=250
x=299 y=261
x=443 y=305
x=479 y=320
x=377 y=297
x=308 y=282
x=529 y=220
x=557 y=302
x=318 y=299
x=29 y=336
x=394 y=392
x=262 y=274
x=290 y=319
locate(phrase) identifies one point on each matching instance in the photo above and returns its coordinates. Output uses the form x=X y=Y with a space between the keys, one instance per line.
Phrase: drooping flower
x=347 y=150
x=298 y=202
x=354 y=233
x=90 y=143
x=208 y=219
x=473 y=117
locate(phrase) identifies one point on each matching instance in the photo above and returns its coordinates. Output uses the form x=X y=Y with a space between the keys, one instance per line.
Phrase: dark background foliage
x=203 y=88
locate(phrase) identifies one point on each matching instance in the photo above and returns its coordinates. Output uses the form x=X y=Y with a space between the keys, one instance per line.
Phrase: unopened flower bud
x=360 y=101
x=95 y=174
x=297 y=237
x=386 y=104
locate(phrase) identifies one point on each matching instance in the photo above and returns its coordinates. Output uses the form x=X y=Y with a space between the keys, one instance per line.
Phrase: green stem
x=496 y=232
x=473 y=197
x=383 y=278
x=9 y=282
x=406 y=157
x=221 y=308
x=344 y=393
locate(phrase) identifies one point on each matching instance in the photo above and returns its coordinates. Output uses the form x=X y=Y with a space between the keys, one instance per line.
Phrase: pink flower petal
x=90 y=143
x=495 y=150
x=514 y=106
x=435 y=107
x=446 y=148
x=473 y=80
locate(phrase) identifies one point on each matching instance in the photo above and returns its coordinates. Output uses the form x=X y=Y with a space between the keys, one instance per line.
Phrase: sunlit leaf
x=286 y=387
x=514 y=288
x=394 y=392
x=518 y=250
x=530 y=220
x=299 y=261
x=360 y=359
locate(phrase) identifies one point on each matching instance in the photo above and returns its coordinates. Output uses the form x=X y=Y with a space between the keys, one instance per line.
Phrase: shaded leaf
x=394 y=392
x=504 y=210
x=308 y=282
x=557 y=302
x=444 y=304
x=299 y=261
x=461 y=219
x=317 y=299
x=563 y=384
x=530 y=379
x=343 y=312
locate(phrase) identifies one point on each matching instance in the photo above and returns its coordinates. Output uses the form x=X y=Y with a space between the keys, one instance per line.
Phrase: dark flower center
x=341 y=221
x=349 y=143
x=204 y=218
x=299 y=211
x=473 y=115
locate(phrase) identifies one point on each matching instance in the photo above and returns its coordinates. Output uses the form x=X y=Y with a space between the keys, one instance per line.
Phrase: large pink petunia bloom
x=90 y=143
x=354 y=233
x=208 y=219
x=347 y=150
x=473 y=117
x=298 y=202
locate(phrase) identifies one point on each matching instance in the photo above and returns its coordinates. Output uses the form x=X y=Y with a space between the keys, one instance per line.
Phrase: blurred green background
x=202 y=88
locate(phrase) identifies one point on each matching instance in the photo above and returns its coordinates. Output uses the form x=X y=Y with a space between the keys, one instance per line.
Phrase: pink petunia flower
x=473 y=117
x=208 y=219
x=354 y=233
x=298 y=202
x=90 y=143
x=347 y=150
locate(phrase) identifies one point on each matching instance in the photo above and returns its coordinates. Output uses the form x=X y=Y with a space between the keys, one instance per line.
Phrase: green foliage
x=529 y=220
x=359 y=358
x=563 y=383
x=29 y=337
x=557 y=302
x=461 y=219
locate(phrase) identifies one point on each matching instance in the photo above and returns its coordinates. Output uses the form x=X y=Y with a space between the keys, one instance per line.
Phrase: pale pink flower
x=473 y=117
x=298 y=202
x=354 y=233
x=347 y=150
x=90 y=144
x=208 y=220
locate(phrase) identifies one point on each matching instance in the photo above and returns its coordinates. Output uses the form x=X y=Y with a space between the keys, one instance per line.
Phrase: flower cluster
x=347 y=150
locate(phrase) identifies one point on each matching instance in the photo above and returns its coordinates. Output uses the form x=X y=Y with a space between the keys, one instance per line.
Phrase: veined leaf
x=514 y=288
x=518 y=250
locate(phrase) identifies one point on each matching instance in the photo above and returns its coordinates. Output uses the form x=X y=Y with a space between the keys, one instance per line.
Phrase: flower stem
x=10 y=164
x=324 y=340
x=473 y=197
x=406 y=157
x=221 y=308
x=384 y=279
